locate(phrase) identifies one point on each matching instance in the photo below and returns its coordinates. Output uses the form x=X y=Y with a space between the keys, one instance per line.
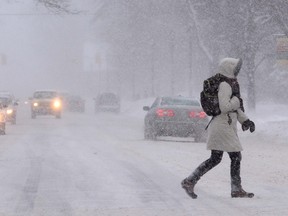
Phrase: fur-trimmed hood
x=230 y=67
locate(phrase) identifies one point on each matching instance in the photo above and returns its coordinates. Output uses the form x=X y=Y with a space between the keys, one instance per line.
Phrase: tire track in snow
x=26 y=203
x=37 y=147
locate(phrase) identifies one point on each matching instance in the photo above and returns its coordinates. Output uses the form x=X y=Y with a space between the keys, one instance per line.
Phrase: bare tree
x=139 y=32
x=57 y=6
x=236 y=29
x=278 y=14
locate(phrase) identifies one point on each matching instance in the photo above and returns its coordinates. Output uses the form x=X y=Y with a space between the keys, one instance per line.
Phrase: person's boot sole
x=248 y=195
x=192 y=195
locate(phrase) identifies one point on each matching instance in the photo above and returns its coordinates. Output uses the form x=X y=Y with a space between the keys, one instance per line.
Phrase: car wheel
x=150 y=134
x=2 y=131
x=33 y=115
x=2 y=128
x=13 y=122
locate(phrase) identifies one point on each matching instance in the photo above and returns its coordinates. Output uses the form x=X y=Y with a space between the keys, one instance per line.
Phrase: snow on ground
x=264 y=165
x=87 y=164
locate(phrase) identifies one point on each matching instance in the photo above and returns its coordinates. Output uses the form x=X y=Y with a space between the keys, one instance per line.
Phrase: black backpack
x=209 y=96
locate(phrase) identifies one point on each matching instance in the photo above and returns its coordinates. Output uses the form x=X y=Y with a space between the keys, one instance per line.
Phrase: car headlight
x=9 y=111
x=57 y=104
x=35 y=104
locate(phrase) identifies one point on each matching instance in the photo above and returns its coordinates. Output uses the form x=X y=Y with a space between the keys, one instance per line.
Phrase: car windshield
x=179 y=101
x=109 y=99
x=44 y=94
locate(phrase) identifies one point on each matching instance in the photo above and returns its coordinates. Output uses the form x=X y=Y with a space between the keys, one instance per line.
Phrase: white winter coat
x=221 y=135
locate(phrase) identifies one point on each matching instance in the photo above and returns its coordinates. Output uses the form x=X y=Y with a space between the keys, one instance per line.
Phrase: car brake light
x=170 y=113
x=165 y=112
x=194 y=114
x=202 y=114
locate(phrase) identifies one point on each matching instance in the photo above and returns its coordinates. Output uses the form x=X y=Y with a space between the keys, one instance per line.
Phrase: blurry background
x=141 y=49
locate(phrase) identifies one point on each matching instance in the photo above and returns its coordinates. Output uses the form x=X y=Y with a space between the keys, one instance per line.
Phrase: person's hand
x=248 y=124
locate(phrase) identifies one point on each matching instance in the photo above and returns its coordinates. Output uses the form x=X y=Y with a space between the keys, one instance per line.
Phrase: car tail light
x=196 y=114
x=165 y=112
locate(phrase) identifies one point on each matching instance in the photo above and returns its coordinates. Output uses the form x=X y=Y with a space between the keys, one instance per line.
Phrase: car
x=177 y=117
x=46 y=102
x=2 y=119
x=8 y=101
x=73 y=103
x=107 y=102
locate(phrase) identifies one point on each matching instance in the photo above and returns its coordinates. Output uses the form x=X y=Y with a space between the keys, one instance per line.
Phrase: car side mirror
x=146 y=108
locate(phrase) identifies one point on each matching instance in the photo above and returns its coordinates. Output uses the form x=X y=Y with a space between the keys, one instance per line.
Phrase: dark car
x=107 y=102
x=75 y=103
x=72 y=103
x=177 y=117
x=46 y=102
x=8 y=101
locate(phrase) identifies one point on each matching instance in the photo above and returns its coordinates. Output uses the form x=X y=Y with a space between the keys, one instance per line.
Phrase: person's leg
x=214 y=160
x=236 y=187
x=235 y=170
x=189 y=182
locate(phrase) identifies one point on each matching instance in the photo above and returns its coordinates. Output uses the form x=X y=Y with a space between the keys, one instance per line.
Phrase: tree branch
x=278 y=16
x=58 y=6
x=197 y=26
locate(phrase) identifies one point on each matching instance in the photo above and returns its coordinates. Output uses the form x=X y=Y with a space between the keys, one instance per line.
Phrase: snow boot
x=188 y=186
x=241 y=194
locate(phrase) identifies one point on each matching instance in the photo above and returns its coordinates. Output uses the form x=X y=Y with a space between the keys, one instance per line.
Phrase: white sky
x=42 y=51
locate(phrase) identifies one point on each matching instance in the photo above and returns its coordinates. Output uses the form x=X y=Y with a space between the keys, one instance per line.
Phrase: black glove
x=248 y=124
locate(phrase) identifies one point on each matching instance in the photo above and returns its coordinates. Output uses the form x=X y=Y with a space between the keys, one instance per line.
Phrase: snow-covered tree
x=237 y=29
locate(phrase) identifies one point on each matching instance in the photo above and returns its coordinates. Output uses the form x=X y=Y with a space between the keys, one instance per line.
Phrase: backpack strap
x=209 y=122
x=233 y=82
x=229 y=120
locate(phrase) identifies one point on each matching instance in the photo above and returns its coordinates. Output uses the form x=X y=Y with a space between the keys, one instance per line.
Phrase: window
x=179 y=101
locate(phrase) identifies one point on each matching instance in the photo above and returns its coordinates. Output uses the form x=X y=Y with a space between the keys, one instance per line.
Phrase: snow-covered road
x=90 y=165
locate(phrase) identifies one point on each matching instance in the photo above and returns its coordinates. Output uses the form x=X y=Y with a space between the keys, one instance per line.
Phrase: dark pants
x=214 y=160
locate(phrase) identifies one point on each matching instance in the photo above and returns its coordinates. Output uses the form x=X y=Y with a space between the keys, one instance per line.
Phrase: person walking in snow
x=222 y=133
